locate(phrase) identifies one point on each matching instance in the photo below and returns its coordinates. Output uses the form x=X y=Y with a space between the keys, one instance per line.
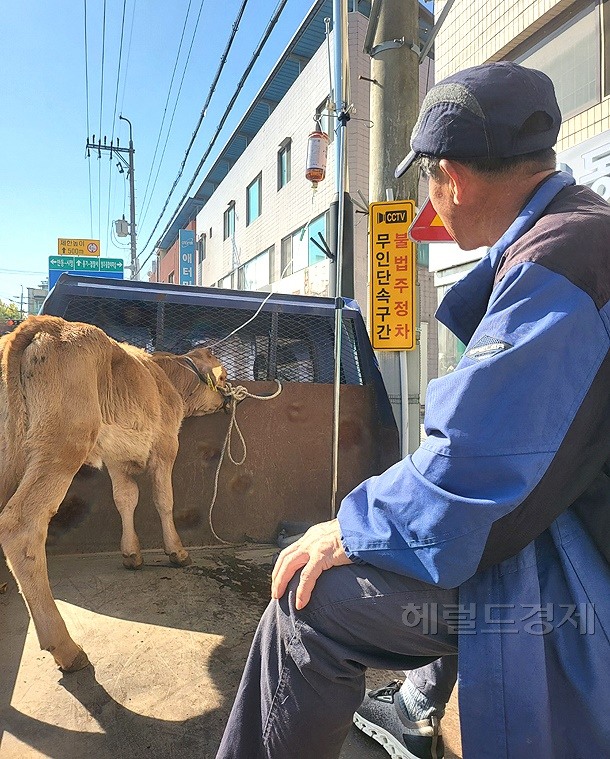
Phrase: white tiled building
x=260 y=212
x=568 y=41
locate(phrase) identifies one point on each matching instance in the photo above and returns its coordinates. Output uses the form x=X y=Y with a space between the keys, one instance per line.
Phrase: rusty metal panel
x=286 y=475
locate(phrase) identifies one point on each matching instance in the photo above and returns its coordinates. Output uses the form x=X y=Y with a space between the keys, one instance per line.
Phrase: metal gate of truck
x=287 y=473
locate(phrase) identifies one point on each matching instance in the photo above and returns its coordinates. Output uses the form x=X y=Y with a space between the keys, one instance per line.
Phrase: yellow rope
x=237 y=394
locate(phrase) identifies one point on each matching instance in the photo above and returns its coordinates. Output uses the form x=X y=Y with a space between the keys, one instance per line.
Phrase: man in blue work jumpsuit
x=492 y=538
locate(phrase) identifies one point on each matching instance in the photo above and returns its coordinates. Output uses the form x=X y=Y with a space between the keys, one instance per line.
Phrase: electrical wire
x=133 y=15
x=108 y=206
x=102 y=67
x=116 y=98
x=169 y=129
x=88 y=123
x=21 y=271
x=115 y=241
x=169 y=91
x=118 y=73
x=99 y=167
x=211 y=90
x=267 y=33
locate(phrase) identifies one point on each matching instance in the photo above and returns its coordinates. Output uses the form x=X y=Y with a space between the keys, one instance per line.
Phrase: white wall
x=286 y=210
x=487 y=30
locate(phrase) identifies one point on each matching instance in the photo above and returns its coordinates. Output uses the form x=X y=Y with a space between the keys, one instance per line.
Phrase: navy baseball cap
x=497 y=110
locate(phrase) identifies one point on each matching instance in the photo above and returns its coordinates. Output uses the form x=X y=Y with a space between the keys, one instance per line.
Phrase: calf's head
x=207 y=396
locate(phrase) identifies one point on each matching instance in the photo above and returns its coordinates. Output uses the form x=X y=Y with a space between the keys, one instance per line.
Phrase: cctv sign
x=392 y=278
x=395 y=216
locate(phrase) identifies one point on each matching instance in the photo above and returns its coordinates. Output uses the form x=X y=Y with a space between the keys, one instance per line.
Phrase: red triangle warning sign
x=428 y=227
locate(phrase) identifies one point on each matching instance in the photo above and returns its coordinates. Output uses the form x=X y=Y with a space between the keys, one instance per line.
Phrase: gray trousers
x=304 y=677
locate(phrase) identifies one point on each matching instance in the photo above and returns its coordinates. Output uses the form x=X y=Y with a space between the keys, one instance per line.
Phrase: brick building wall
x=168 y=269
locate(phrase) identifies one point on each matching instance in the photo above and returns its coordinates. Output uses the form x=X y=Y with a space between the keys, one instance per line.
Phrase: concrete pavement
x=167 y=645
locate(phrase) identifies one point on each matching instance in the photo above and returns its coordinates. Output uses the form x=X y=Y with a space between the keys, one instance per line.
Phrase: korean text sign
x=186 y=253
x=392 y=284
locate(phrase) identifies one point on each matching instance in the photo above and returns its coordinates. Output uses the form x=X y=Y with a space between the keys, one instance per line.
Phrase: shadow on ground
x=167 y=647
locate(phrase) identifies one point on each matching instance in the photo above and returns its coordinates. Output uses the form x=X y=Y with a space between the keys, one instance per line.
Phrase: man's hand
x=320 y=548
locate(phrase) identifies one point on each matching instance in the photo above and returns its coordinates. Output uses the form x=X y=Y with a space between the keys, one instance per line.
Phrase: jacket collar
x=465 y=304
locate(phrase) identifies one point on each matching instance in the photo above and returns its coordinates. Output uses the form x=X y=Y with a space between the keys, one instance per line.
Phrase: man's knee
x=334 y=586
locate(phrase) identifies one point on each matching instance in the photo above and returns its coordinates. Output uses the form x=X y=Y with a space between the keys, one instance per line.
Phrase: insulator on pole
x=317 y=149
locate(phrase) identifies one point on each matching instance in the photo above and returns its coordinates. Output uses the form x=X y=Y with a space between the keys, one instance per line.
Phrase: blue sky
x=44 y=176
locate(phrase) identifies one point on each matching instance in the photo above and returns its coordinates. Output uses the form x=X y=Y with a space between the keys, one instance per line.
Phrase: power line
x=116 y=98
x=169 y=91
x=118 y=73
x=108 y=207
x=99 y=167
x=21 y=271
x=87 y=109
x=102 y=68
x=208 y=99
x=133 y=15
x=242 y=81
x=171 y=122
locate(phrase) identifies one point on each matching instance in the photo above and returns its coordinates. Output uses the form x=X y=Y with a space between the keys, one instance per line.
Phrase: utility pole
x=392 y=43
x=129 y=165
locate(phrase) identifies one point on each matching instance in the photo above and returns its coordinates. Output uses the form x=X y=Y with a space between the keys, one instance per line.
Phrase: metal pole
x=341 y=107
x=435 y=30
x=132 y=205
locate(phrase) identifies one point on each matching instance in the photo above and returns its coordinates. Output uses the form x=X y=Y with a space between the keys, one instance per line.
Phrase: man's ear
x=455 y=174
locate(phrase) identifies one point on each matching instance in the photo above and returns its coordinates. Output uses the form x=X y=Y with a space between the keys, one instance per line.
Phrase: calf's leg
x=23 y=531
x=126 y=494
x=163 y=496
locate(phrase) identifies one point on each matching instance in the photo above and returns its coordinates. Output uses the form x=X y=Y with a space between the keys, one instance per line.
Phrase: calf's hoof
x=132 y=561
x=80 y=662
x=180 y=558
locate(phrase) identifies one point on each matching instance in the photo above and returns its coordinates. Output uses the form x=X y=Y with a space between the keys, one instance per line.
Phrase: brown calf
x=70 y=395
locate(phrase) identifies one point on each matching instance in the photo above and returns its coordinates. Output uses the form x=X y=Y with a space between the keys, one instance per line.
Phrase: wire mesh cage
x=289 y=346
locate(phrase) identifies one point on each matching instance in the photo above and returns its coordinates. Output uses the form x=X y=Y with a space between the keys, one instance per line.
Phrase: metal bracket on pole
x=371 y=29
x=383 y=46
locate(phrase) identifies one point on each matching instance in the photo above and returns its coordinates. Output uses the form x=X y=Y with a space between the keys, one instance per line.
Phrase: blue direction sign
x=111 y=268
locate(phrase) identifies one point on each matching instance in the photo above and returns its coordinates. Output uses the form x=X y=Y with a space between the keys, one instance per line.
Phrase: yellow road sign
x=392 y=285
x=67 y=247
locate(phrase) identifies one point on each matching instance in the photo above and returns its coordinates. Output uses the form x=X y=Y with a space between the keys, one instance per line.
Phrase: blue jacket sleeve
x=492 y=426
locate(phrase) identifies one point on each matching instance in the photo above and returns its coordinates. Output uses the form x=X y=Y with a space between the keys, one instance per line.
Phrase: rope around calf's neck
x=237 y=394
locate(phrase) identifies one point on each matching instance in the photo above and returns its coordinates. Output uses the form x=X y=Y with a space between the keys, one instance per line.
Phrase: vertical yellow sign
x=392 y=285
